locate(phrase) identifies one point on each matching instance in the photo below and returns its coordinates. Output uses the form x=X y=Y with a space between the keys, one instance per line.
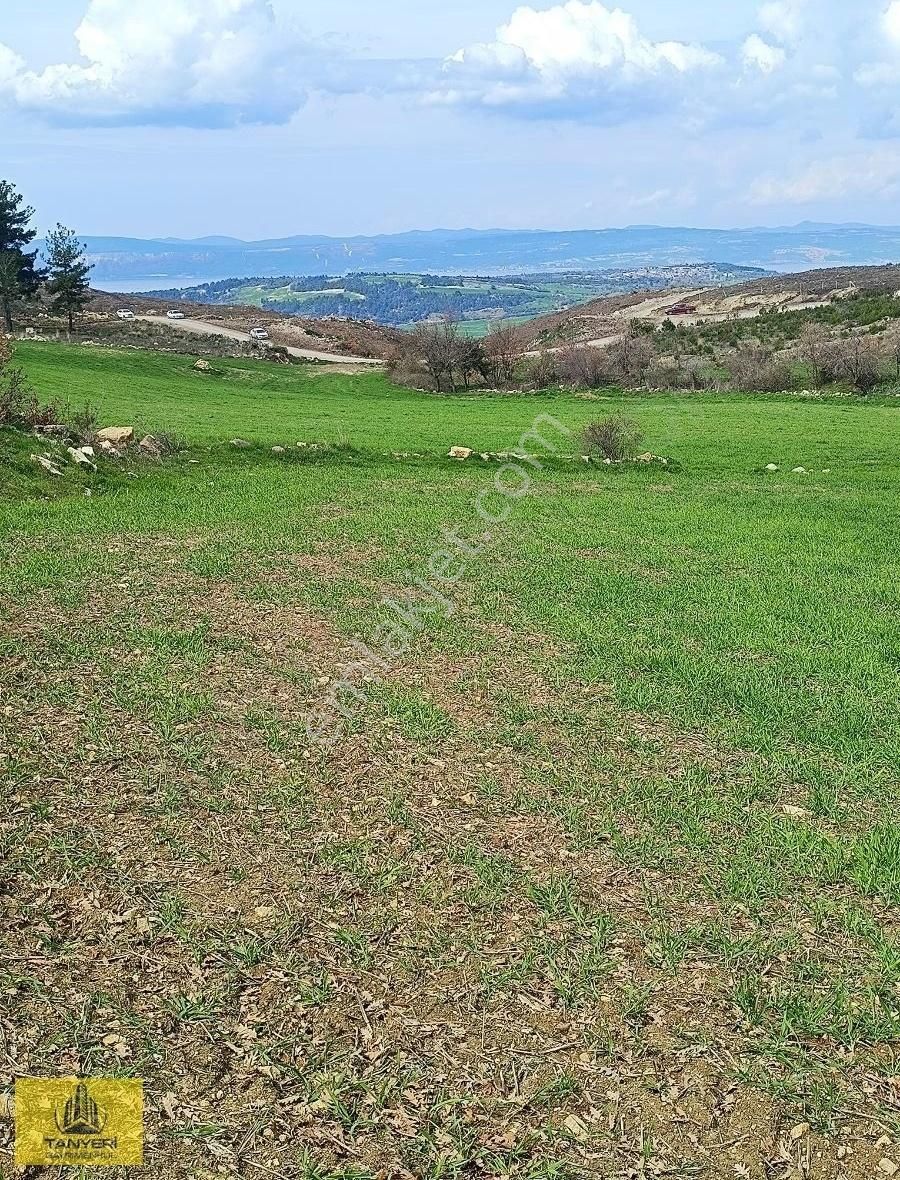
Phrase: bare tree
x=817 y=349
x=437 y=345
x=501 y=349
x=894 y=354
x=678 y=372
x=628 y=359
x=753 y=366
x=584 y=367
x=860 y=361
x=543 y=371
x=471 y=360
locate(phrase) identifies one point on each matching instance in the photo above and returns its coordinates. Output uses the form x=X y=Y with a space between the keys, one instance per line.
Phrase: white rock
x=43 y=461
x=799 y=471
x=772 y=467
x=241 y=443
x=79 y=456
x=460 y=453
x=277 y=450
x=794 y=811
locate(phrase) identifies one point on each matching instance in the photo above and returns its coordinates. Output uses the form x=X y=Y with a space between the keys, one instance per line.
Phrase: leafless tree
x=628 y=359
x=437 y=345
x=753 y=366
x=584 y=367
x=543 y=371
x=501 y=349
x=859 y=360
x=818 y=349
x=471 y=360
x=678 y=372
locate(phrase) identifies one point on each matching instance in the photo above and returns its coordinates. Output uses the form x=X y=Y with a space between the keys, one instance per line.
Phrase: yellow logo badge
x=88 y=1121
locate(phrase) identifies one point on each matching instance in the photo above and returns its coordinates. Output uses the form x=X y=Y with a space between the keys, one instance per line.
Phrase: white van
x=259 y=334
x=125 y=314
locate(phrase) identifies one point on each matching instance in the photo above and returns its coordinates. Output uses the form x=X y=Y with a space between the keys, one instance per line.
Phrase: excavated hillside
x=606 y=318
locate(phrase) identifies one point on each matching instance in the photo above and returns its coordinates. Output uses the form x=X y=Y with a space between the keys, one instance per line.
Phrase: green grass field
x=602 y=878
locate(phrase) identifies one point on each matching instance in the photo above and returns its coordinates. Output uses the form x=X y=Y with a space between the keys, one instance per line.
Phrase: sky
x=265 y=118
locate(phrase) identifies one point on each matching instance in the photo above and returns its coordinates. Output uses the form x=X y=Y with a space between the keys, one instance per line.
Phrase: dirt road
x=202 y=328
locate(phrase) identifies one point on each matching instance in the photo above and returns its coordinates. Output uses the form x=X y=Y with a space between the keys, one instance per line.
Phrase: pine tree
x=68 y=270
x=20 y=277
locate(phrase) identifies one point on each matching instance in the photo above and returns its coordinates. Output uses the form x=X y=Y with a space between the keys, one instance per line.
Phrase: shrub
x=755 y=367
x=679 y=372
x=169 y=444
x=19 y=405
x=612 y=438
x=859 y=361
x=584 y=367
x=83 y=422
x=543 y=371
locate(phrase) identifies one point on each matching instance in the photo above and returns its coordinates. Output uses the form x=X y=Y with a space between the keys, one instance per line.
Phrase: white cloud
x=206 y=62
x=783 y=19
x=577 y=52
x=883 y=73
x=891 y=21
x=11 y=65
x=866 y=174
x=760 y=55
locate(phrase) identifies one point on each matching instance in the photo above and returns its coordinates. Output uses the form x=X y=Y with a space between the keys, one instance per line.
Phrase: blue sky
x=260 y=118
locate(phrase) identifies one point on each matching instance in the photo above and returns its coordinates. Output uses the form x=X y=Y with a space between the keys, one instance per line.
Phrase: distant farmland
x=401 y=300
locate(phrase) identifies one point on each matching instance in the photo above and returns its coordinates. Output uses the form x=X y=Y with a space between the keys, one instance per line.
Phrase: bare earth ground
x=458 y=946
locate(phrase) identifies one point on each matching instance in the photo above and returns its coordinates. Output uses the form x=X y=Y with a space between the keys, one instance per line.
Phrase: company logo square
x=88 y=1121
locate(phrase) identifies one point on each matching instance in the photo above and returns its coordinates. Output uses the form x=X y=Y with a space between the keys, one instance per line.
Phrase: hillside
x=323 y=334
x=404 y=299
x=602 y=318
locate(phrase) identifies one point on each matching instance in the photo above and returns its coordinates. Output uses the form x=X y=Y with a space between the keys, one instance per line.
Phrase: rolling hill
x=153 y=263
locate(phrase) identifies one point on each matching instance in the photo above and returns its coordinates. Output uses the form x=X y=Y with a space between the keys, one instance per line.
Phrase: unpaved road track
x=202 y=328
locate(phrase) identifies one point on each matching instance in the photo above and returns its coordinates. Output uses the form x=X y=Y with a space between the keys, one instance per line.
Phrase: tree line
x=442 y=358
x=62 y=279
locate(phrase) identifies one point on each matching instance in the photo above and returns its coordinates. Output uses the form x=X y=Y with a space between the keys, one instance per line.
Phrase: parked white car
x=125 y=314
x=259 y=334
x=175 y=315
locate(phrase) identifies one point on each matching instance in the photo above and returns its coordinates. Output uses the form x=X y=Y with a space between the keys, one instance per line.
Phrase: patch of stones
x=112 y=442
x=463 y=453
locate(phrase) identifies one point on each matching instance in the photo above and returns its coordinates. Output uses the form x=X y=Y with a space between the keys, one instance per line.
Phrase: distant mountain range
x=135 y=261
